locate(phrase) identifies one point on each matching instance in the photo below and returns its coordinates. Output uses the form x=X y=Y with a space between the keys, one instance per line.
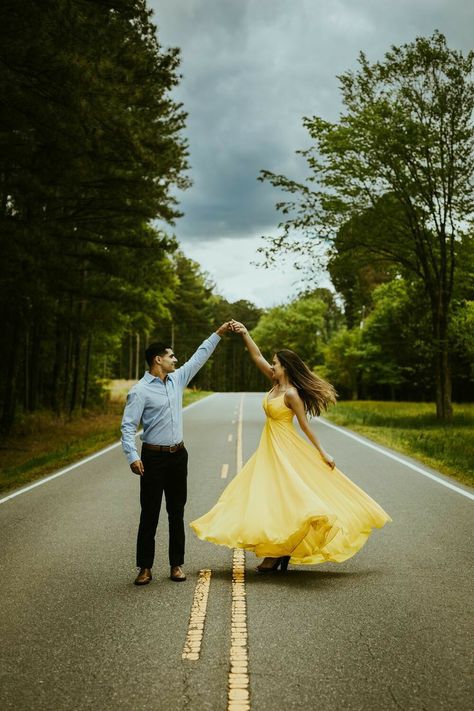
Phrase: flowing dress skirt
x=287 y=501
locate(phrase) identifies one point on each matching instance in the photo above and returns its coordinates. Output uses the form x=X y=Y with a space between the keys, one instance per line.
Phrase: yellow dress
x=287 y=501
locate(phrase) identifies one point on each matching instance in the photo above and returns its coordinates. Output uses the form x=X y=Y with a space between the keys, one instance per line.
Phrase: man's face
x=167 y=361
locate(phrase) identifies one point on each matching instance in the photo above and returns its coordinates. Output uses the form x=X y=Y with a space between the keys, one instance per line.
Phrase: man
x=156 y=401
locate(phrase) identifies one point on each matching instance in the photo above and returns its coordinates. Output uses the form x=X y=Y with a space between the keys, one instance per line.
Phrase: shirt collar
x=151 y=378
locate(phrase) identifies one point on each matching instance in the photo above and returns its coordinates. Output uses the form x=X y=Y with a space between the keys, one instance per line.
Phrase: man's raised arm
x=189 y=369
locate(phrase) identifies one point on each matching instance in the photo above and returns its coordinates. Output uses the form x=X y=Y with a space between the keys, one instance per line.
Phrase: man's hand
x=223 y=329
x=137 y=467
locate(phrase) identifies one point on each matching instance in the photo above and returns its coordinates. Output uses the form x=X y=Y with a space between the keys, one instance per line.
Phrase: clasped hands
x=233 y=327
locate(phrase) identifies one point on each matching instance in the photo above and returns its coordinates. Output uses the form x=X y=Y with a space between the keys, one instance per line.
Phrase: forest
x=93 y=154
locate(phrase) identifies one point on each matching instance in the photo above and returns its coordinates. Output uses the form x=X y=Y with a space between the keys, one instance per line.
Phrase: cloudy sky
x=251 y=70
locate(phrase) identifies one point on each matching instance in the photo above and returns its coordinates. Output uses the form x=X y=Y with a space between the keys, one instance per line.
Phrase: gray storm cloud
x=252 y=69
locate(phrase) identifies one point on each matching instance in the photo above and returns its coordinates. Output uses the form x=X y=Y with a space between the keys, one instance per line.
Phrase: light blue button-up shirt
x=159 y=404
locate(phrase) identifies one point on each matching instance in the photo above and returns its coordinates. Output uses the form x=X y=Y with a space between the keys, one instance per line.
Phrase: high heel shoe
x=281 y=563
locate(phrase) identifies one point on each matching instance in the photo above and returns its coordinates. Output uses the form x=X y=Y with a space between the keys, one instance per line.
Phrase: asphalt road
x=388 y=629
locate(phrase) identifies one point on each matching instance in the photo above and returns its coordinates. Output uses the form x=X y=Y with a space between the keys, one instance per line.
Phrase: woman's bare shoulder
x=291 y=394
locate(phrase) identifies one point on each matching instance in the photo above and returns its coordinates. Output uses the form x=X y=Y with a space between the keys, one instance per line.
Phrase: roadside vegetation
x=41 y=443
x=412 y=428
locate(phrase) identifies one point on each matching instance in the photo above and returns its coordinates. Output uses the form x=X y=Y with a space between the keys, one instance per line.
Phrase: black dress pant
x=165 y=472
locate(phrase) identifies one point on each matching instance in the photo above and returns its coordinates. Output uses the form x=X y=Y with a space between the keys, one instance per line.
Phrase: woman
x=290 y=502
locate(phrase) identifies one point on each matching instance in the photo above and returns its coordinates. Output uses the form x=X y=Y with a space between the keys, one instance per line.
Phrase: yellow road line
x=224 y=471
x=229 y=438
x=238 y=695
x=192 y=644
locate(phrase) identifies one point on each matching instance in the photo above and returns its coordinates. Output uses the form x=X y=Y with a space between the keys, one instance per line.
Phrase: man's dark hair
x=155 y=349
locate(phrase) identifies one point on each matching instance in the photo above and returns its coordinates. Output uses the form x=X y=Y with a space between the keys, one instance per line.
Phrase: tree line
x=195 y=312
x=387 y=354
x=93 y=148
x=92 y=145
x=390 y=196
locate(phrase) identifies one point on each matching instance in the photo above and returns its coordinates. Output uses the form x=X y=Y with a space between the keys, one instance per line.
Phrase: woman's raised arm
x=253 y=349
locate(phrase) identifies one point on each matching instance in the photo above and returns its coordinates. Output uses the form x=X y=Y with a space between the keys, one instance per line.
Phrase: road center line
x=415 y=468
x=197 y=618
x=238 y=689
x=238 y=698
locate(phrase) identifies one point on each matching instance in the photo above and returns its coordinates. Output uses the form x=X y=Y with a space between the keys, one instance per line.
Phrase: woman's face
x=277 y=368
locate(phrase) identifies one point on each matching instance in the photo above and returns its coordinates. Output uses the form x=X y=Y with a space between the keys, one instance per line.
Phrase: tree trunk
x=27 y=370
x=77 y=357
x=137 y=359
x=10 y=393
x=76 y=365
x=85 y=391
x=34 y=358
x=444 y=408
x=57 y=368
x=67 y=368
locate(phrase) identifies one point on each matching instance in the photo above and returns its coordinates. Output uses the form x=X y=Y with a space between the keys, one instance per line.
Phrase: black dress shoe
x=177 y=574
x=143 y=577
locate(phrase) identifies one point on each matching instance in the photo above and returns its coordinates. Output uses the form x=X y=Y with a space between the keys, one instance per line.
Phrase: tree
x=356 y=270
x=463 y=333
x=190 y=319
x=231 y=369
x=401 y=153
x=396 y=352
x=342 y=362
x=91 y=151
x=305 y=325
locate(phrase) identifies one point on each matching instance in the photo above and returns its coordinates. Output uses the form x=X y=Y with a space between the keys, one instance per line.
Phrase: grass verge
x=41 y=443
x=411 y=428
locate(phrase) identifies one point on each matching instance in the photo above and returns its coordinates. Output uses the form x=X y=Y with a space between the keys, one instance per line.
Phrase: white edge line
x=448 y=484
x=84 y=461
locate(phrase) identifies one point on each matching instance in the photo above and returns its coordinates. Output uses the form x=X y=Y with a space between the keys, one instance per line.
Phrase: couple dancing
x=289 y=503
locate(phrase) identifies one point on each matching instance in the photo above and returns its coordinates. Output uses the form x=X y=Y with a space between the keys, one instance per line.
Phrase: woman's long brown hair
x=315 y=392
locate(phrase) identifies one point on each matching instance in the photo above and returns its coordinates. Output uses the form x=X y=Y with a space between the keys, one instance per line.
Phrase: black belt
x=164 y=447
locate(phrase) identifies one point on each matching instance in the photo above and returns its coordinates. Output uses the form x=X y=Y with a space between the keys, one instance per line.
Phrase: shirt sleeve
x=189 y=369
x=130 y=421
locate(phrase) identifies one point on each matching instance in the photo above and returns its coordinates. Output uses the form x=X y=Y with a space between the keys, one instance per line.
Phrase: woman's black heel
x=281 y=563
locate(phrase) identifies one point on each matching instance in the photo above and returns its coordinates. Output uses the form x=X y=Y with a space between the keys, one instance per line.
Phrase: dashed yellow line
x=238 y=695
x=238 y=691
x=192 y=644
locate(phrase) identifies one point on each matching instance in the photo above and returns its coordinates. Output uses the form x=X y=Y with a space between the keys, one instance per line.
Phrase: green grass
x=412 y=428
x=41 y=443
